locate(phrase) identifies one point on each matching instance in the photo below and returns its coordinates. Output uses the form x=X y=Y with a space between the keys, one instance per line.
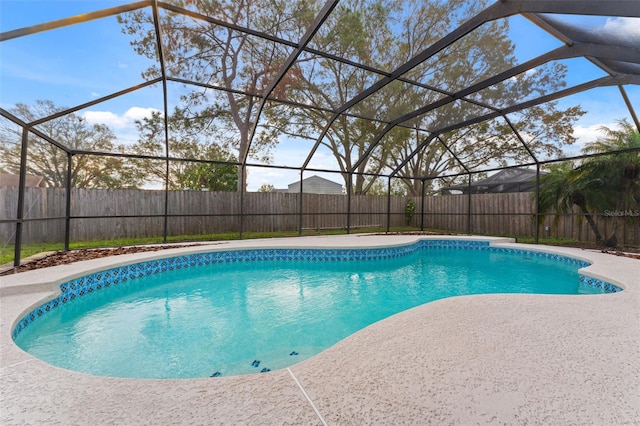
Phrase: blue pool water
x=249 y=317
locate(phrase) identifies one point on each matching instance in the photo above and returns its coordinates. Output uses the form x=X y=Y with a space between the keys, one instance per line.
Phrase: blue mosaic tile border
x=89 y=284
x=484 y=245
x=594 y=282
x=532 y=253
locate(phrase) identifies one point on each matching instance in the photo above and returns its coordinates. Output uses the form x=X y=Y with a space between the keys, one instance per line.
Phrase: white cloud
x=115 y=121
x=625 y=27
x=138 y=113
x=123 y=125
x=586 y=134
x=104 y=117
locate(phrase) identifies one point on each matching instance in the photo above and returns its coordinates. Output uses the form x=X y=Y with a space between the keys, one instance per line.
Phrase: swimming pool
x=330 y=294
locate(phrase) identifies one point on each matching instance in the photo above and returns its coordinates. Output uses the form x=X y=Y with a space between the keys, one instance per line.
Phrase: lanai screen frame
x=613 y=59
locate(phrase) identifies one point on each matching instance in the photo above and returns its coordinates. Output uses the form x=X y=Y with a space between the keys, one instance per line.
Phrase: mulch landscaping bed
x=67 y=257
x=623 y=254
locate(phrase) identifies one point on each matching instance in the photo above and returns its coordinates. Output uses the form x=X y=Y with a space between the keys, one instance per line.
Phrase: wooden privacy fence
x=189 y=213
x=513 y=215
x=204 y=212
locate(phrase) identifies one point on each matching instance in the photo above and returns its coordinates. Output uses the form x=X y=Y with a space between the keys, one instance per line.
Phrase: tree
x=73 y=132
x=384 y=34
x=189 y=139
x=266 y=187
x=614 y=180
x=608 y=184
x=561 y=190
x=479 y=55
x=546 y=129
x=356 y=30
x=377 y=33
x=380 y=186
x=238 y=63
x=214 y=177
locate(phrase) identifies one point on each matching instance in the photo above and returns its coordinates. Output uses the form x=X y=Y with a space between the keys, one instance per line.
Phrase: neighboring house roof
x=508 y=180
x=314 y=185
x=9 y=179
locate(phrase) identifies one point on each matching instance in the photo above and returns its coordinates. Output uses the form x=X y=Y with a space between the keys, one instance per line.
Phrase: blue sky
x=77 y=64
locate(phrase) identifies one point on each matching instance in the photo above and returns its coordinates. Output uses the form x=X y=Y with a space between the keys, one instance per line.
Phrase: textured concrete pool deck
x=483 y=359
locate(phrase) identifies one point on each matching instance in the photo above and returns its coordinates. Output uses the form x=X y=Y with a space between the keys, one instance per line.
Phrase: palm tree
x=604 y=183
x=561 y=191
x=615 y=177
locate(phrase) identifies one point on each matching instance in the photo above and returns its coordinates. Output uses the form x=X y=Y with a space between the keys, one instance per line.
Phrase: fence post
x=388 y=203
x=241 y=189
x=422 y=208
x=67 y=215
x=21 y=188
x=537 y=219
x=349 y=190
x=301 y=205
x=469 y=205
x=166 y=195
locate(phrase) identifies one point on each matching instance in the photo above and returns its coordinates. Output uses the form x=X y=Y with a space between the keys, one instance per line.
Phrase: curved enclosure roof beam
x=570 y=34
x=601 y=82
x=496 y=11
x=315 y=26
x=501 y=9
x=616 y=55
x=77 y=19
x=626 y=8
x=563 y=52
x=294 y=45
x=138 y=5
